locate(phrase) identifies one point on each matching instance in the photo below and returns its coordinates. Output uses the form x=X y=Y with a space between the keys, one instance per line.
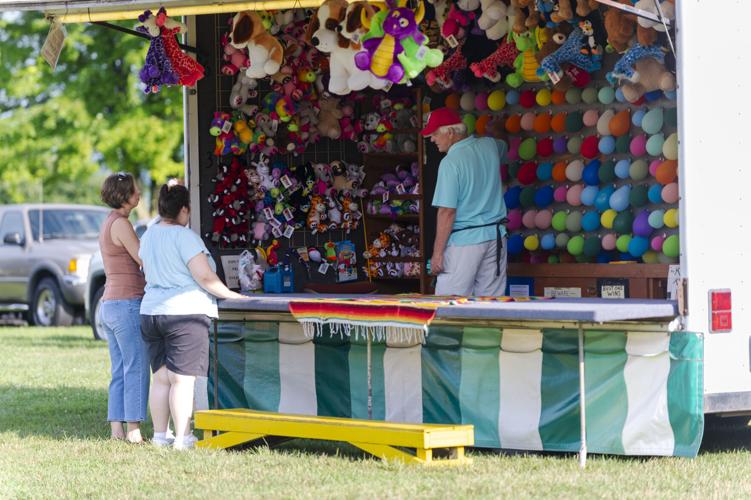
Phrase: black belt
x=498 y=240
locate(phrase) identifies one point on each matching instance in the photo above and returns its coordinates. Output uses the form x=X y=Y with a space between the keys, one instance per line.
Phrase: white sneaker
x=187 y=443
x=160 y=442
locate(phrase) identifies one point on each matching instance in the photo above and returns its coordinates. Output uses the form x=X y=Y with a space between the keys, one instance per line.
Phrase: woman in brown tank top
x=121 y=303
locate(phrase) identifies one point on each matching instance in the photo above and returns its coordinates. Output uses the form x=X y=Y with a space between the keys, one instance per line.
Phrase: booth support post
x=370 y=379
x=582 y=400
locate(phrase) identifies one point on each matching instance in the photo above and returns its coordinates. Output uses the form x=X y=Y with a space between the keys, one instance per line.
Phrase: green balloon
x=654 y=144
x=573 y=96
x=671 y=117
x=574 y=222
x=469 y=120
x=513 y=169
x=527 y=197
x=652 y=121
x=574 y=145
x=622 y=144
x=574 y=122
x=553 y=259
x=638 y=170
x=671 y=246
x=583 y=259
x=575 y=245
x=638 y=196
x=592 y=246
x=623 y=222
x=622 y=242
x=606 y=95
x=607 y=171
x=589 y=95
x=559 y=221
x=528 y=148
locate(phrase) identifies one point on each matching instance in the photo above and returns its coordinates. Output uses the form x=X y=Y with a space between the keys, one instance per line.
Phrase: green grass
x=53 y=443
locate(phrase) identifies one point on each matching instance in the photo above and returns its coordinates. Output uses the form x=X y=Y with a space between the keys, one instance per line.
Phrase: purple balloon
x=641 y=225
x=560 y=145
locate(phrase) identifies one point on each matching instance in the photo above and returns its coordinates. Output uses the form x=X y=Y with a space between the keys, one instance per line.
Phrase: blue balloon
x=544 y=171
x=512 y=97
x=618 y=96
x=604 y=258
x=619 y=199
x=655 y=193
x=591 y=173
x=589 y=195
x=649 y=97
x=622 y=168
x=625 y=256
x=638 y=245
x=671 y=94
x=591 y=221
x=548 y=241
x=602 y=201
x=515 y=244
x=544 y=196
x=511 y=197
x=638 y=116
x=607 y=145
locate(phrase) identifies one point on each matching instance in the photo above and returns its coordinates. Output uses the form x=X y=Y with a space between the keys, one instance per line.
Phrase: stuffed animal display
x=395 y=241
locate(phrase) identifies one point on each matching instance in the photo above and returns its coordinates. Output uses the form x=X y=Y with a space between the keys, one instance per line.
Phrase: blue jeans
x=129 y=388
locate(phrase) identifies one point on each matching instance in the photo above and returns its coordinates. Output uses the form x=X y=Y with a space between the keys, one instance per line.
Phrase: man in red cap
x=469 y=257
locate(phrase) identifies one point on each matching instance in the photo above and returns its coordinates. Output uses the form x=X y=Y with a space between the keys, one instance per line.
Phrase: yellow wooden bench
x=386 y=440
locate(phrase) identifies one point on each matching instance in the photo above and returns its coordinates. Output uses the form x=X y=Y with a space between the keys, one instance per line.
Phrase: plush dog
x=264 y=51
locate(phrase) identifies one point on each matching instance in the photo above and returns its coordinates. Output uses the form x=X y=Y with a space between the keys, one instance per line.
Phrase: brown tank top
x=124 y=278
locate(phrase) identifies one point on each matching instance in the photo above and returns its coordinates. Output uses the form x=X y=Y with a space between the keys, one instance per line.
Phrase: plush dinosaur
x=504 y=56
x=573 y=51
x=624 y=68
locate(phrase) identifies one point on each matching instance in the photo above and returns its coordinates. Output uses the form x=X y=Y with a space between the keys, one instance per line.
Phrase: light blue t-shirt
x=469 y=180
x=170 y=288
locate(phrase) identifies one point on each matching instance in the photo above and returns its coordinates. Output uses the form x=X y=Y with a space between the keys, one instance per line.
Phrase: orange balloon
x=452 y=101
x=558 y=123
x=667 y=172
x=620 y=123
x=481 y=124
x=542 y=123
x=559 y=171
x=514 y=124
x=558 y=97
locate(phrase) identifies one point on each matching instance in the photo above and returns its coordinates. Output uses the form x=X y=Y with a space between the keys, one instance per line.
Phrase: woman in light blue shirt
x=176 y=311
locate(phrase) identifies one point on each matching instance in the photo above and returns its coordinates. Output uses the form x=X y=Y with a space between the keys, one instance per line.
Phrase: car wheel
x=48 y=308
x=100 y=333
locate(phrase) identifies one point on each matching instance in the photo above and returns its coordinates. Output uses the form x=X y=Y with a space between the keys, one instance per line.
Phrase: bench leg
x=386 y=452
x=226 y=440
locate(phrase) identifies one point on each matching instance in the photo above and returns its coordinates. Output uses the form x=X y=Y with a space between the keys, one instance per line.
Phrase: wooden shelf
x=395 y=197
x=395 y=259
x=392 y=278
x=397 y=218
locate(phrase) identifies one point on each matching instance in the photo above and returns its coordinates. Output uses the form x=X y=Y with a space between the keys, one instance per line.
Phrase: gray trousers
x=469 y=270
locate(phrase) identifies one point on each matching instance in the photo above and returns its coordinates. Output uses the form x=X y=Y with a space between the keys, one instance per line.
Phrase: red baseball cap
x=440 y=118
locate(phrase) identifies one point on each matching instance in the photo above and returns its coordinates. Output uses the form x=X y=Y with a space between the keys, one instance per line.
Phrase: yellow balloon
x=497 y=100
x=650 y=257
x=532 y=243
x=607 y=218
x=671 y=218
x=543 y=97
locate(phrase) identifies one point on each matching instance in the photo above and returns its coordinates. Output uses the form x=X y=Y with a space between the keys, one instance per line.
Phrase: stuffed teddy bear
x=646 y=28
x=524 y=15
x=328 y=118
x=244 y=89
x=649 y=74
x=620 y=27
x=264 y=51
x=494 y=19
x=566 y=10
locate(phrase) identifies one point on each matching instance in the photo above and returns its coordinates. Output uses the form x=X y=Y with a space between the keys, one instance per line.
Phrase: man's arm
x=444 y=224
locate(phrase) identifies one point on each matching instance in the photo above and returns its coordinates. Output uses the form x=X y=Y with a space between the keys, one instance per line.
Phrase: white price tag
x=227 y=126
x=400 y=189
x=452 y=41
x=288 y=214
x=386 y=197
x=323 y=268
x=274 y=222
x=268 y=213
x=554 y=78
x=289 y=231
x=286 y=182
x=277 y=232
x=421 y=52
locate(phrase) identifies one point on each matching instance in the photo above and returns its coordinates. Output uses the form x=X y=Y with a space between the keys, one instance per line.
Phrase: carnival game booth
x=314 y=188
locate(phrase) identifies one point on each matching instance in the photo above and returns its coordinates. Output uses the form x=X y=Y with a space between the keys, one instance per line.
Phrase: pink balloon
x=538 y=258
x=639 y=145
x=670 y=193
x=608 y=242
x=528 y=219
x=528 y=121
x=481 y=101
x=574 y=195
x=590 y=118
x=559 y=194
x=514 y=219
x=513 y=148
x=656 y=243
x=653 y=167
x=543 y=218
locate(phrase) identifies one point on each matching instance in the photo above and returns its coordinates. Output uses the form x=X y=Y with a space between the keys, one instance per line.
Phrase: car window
x=66 y=223
x=12 y=223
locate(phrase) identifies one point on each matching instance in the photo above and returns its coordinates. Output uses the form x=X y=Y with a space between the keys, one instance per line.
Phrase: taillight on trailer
x=720 y=311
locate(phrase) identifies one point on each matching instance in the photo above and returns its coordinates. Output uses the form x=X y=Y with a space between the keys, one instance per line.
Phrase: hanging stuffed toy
x=442 y=75
x=187 y=68
x=381 y=54
x=566 y=10
x=264 y=51
x=573 y=51
x=494 y=19
x=504 y=56
x=157 y=69
x=624 y=68
x=526 y=65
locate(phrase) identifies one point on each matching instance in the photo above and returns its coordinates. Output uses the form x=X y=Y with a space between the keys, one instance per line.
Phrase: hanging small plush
x=624 y=68
x=504 y=56
x=157 y=69
x=381 y=54
x=187 y=68
x=574 y=51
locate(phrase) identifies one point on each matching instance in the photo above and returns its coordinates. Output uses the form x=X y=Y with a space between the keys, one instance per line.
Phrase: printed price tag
x=554 y=78
x=452 y=41
x=386 y=197
x=421 y=52
x=286 y=181
x=274 y=126
x=289 y=231
x=323 y=268
x=274 y=222
x=288 y=214
x=277 y=232
x=268 y=213
x=53 y=44
x=400 y=189
x=388 y=86
x=227 y=126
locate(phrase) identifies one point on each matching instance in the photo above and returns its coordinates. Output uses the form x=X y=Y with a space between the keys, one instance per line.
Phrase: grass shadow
x=50 y=342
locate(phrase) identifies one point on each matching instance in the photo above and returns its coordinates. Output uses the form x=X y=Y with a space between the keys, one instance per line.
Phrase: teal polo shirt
x=469 y=180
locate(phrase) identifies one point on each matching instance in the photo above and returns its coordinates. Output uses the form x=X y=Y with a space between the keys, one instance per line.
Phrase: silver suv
x=45 y=250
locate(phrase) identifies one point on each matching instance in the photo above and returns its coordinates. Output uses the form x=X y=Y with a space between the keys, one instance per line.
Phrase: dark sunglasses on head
x=121 y=176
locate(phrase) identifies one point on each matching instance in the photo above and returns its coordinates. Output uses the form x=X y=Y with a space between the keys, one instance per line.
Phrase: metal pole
x=216 y=364
x=582 y=402
x=370 y=380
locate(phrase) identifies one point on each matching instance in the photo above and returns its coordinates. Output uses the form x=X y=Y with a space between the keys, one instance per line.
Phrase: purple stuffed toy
x=157 y=69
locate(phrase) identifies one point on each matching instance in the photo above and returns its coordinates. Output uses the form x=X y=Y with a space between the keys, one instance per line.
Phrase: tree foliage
x=61 y=131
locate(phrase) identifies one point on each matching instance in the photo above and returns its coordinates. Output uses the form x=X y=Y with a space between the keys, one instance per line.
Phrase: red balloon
x=545 y=147
x=527 y=173
x=590 y=147
x=528 y=99
x=504 y=173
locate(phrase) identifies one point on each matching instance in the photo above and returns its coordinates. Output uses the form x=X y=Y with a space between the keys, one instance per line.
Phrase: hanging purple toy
x=157 y=69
